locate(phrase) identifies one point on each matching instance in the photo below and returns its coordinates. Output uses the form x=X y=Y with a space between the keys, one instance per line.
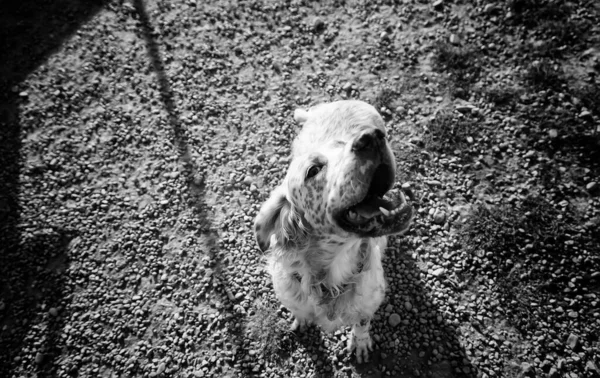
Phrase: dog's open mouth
x=381 y=211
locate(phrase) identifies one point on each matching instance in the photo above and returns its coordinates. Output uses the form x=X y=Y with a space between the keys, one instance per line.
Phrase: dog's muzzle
x=375 y=210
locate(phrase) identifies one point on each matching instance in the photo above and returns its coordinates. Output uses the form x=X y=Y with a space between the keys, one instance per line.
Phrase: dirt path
x=139 y=138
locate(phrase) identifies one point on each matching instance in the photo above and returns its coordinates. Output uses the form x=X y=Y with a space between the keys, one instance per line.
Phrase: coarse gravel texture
x=139 y=138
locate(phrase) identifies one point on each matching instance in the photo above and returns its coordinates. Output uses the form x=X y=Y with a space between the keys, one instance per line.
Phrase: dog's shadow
x=413 y=336
x=317 y=346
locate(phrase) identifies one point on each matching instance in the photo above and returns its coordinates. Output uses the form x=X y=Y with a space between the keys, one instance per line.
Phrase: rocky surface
x=139 y=138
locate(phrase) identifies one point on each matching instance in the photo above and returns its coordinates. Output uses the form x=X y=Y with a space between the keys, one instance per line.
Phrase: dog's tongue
x=370 y=207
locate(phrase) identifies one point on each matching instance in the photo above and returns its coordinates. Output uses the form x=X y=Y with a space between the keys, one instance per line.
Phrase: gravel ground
x=139 y=138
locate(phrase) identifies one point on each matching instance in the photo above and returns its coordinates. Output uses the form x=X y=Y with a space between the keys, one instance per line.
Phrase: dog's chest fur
x=330 y=283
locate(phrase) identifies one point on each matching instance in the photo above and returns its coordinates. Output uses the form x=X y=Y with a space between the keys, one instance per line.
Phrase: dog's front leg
x=361 y=340
x=298 y=325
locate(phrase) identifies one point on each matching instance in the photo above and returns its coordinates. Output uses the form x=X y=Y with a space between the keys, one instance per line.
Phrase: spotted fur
x=322 y=273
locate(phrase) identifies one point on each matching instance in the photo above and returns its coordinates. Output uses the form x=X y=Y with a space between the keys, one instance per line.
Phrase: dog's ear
x=278 y=217
x=300 y=116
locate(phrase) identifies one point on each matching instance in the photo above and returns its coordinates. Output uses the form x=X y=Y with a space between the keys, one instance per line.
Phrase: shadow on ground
x=194 y=176
x=32 y=265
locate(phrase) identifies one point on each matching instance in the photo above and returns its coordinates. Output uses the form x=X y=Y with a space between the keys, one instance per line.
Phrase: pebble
x=39 y=358
x=408 y=306
x=573 y=341
x=527 y=368
x=53 y=311
x=438 y=272
x=464 y=108
x=489 y=8
x=586 y=115
x=394 y=319
x=454 y=39
x=592 y=187
x=318 y=24
x=439 y=216
x=591 y=367
x=438 y=5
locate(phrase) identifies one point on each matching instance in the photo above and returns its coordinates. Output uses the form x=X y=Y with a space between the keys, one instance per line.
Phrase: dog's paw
x=363 y=345
x=298 y=326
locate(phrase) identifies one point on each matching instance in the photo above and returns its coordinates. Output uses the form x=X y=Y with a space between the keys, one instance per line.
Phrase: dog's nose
x=368 y=140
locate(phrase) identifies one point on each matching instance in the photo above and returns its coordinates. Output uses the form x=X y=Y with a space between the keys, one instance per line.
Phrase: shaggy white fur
x=325 y=227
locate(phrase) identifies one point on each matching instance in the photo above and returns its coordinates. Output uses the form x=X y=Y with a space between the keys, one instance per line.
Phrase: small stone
x=53 y=311
x=586 y=115
x=454 y=39
x=592 y=187
x=527 y=369
x=553 y=373
x=39 y=358
x=573 y=341
x=408 y=306
x=552 y=133
x=592 y=368
x=438 y=272
x=439 y=217
x=394 y=320
x=347 y=86
x=573 y=314
x=464 y=108
x=489 y=8
x=318 y=24
x=438 y=5
x=470 y=140
x=433 y=183
x=407 y=189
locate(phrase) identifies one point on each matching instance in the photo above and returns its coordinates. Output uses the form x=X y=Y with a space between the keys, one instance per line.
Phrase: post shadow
x=194 y=176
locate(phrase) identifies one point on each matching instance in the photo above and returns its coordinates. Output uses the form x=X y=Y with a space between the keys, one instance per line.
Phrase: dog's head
x=341 y=170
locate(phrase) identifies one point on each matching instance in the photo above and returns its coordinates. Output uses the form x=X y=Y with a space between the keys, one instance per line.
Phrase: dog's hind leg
x=361 y=340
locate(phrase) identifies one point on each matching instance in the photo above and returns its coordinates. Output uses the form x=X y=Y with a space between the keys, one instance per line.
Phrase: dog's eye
x=313 y=171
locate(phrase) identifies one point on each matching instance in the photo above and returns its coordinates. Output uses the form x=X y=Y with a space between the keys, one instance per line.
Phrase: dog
x=326 y=226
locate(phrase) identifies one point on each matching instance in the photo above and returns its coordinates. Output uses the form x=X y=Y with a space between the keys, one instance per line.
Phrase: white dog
x=326 y=225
